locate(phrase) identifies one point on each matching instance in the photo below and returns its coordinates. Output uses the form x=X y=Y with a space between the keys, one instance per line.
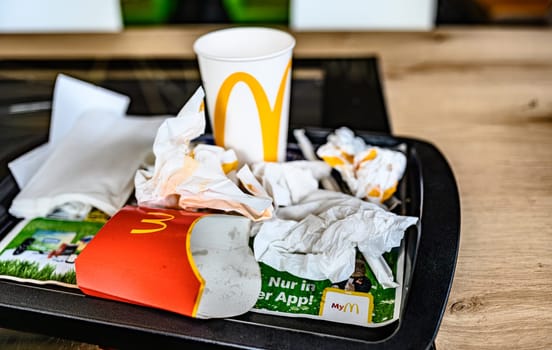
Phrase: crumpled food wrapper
x=318 y=237
x=188 y=177
x=370 y=172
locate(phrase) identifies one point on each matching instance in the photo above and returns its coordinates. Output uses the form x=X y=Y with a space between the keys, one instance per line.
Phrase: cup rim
x=200 y=51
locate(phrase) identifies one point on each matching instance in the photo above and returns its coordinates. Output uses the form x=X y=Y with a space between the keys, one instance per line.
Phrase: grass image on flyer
x=44 y=250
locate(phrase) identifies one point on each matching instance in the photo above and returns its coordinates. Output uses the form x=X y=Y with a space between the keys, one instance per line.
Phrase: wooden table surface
x=483 y=96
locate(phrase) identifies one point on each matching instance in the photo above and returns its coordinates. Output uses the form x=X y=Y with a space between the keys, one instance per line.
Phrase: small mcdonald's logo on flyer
x=346 y=306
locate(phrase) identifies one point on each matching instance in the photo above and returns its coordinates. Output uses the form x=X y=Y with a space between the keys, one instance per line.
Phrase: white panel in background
x=60 y=16
x=416 y=15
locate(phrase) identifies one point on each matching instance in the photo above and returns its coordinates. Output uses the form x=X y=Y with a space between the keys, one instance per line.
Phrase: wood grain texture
x=449 y=44
x=494 y=125
x=483 y=96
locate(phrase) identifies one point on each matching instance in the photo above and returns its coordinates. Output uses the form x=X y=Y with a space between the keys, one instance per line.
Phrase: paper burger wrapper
x=194 y=264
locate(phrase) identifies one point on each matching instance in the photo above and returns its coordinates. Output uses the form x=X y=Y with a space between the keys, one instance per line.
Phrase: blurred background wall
x=459 y=12
x=115 y=15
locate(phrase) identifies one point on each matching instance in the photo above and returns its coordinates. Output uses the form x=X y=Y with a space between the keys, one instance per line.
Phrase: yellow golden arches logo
x=350 y=307
x=269 y=118
x=159 y=222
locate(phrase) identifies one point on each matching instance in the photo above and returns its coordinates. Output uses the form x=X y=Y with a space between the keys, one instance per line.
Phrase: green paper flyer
x=359 y=300
x=43 y=251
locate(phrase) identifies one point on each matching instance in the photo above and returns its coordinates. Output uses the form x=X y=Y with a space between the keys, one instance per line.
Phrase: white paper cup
x=246 y=74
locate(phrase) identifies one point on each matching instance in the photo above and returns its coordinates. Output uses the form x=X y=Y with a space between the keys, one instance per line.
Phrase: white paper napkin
x=72 y=97
x=93 y=164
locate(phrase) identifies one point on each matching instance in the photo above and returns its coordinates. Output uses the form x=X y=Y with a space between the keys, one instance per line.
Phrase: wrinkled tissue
x=317 y=238
x=202 y=176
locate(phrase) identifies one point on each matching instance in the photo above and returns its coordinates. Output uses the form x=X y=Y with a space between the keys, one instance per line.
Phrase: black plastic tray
x=428 y=191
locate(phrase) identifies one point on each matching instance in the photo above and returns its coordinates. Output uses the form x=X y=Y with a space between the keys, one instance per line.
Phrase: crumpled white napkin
x=316 y=239
x=93 y=164
x=288 y=183
x=194 y=178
